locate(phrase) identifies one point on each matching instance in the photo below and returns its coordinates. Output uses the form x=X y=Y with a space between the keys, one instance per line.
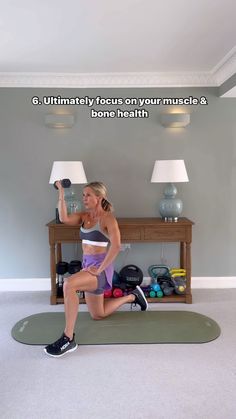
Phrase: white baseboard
x=25 y=284
x=214 y=282
x=44 y=284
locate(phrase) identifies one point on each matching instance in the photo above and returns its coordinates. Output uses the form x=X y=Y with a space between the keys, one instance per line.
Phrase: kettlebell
x=166 y=285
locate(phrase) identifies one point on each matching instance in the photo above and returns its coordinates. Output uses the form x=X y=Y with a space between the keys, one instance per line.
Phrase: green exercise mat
x=120 y=328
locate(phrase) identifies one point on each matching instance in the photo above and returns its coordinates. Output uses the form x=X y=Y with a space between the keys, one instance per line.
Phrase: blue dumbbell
x=156 y=287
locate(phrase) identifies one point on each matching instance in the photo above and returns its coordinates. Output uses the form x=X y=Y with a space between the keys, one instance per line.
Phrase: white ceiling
x=136 y=42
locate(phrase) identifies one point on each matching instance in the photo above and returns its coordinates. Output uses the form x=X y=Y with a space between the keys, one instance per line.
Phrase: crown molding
x=225 y=68
x=214 y=78
x=117 y=80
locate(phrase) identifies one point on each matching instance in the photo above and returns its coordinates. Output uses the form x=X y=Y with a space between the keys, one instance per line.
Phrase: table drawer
x=66 y=234
x=130 y=233
x=162 y=233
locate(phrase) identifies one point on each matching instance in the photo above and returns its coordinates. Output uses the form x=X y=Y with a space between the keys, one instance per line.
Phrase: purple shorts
x=105 y=278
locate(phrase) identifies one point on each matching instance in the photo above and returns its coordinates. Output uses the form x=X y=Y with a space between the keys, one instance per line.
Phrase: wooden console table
x=133 y=230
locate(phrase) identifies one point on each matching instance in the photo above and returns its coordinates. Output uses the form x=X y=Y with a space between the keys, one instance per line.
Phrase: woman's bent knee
x=80 y=282
x=96 y=316
x=67 y=286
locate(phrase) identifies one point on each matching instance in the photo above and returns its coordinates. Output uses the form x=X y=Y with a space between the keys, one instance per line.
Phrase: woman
x=99 y=230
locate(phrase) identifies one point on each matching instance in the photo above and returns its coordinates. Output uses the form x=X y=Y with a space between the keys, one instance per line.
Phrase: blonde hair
x=100 y=190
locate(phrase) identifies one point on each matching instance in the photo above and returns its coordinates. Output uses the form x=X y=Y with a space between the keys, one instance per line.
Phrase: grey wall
x=120 y=152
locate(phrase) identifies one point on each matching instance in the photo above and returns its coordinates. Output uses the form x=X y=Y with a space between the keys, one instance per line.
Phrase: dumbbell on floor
x=156 y=289
x=117 y=292
x=108 y=294
x=166 y=286
x=74 y=266
x=61 y=269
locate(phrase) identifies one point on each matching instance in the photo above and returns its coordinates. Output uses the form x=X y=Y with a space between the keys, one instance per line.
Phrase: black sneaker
x=140 y=298
x=61 y=346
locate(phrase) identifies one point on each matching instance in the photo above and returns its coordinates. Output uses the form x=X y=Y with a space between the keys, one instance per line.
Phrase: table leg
x=59 y=252
x=53 y=299
x=183 y=255
x=188 y=273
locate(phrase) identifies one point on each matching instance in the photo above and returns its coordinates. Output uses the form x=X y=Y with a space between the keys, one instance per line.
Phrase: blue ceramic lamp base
x=170 y=207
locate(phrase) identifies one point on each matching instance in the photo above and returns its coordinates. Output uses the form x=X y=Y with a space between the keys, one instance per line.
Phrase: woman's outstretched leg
x=82 y=281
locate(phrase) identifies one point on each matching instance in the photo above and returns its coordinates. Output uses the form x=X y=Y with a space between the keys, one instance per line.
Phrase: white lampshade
x=168 y=171
x=72 y=170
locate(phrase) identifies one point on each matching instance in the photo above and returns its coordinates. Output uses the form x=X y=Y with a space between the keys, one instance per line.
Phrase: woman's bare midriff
x=93 y=250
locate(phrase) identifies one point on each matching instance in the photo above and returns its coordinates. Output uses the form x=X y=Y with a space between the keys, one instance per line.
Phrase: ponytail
x=106 y=205
x=100 y=190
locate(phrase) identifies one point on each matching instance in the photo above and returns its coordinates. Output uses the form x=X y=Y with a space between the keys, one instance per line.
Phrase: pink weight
x=117 y=292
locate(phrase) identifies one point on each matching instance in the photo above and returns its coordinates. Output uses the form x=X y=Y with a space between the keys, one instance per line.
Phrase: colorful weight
x=108 y=294
x=117 y=292
x=156 y=287
x=145 y=290
x=179 y=280
x=167 y=290
x=156 y=271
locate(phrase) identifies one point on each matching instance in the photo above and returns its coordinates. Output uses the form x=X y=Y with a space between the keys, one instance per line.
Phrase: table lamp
x=170 y=172
x=74 y=171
